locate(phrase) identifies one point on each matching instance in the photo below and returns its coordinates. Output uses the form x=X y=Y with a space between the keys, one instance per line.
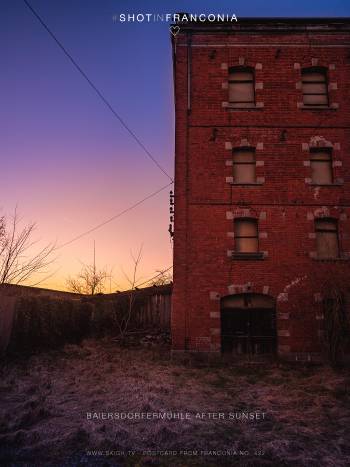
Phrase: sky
x=66 y=162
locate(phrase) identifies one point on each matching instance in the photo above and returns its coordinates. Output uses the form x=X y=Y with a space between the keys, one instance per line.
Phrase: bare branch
x=89 y=281
x=123 y=318
x=162 y=278
x=17 y=263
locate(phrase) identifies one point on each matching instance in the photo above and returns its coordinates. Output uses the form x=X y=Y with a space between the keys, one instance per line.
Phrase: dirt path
x=303 y=414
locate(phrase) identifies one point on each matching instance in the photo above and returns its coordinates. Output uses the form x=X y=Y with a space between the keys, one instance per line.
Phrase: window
x=321 y=166
x=244 y=165
x=241 y=87
x=314 y=86
x=327 y=238
x=246 y=236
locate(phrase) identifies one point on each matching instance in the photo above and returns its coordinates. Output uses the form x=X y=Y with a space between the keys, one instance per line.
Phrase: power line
x=87 y=232
x=154 y=277
x=97 y=91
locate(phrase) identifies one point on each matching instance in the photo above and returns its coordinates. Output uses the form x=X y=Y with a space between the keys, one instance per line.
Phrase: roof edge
x=264 y=23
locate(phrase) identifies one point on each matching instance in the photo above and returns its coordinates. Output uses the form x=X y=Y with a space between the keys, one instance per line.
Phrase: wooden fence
x=152 y=305
x=156 y=309
x=31 y=318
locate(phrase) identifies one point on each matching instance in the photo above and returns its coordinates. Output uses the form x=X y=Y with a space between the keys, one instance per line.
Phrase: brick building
x=262 y=172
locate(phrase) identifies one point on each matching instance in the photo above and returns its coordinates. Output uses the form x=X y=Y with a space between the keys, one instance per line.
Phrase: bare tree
x=123 y=316
x=163 y=277
x=17 y=262
x=333 y=283
x=89 y=281
x=336 y=316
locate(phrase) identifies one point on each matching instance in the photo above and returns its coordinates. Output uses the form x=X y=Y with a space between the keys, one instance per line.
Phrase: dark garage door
x=246 y=328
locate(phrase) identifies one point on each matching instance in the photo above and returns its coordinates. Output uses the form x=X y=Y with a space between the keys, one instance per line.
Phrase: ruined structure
x=262 y=168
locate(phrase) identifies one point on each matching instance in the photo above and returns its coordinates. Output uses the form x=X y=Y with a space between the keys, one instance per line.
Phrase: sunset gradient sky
x=66 y=161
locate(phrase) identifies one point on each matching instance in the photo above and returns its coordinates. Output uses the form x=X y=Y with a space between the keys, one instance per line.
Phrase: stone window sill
x=327 y=184
x=233 y=107
x=248 y=256
x=317 y=107
x=246 y=184
x=331 y=260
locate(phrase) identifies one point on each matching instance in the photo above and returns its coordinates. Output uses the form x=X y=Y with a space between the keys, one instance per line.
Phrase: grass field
x=45 y=398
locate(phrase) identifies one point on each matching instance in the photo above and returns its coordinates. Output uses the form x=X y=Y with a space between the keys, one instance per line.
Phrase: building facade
x=262 y=172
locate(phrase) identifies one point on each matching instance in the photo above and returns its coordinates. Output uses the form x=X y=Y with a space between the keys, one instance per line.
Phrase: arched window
x=244 y=165
x=241 y=87
x=321 y=166
x=327 y=238
x=314 y=86
x=246 y=235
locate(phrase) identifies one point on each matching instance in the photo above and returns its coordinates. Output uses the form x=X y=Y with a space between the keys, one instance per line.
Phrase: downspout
x=189 y=77
x=189 y=71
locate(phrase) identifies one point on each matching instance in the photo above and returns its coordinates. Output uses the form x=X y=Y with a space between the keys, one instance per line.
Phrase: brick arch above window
x=245 y=212
x=327 y=212
x=320 y=142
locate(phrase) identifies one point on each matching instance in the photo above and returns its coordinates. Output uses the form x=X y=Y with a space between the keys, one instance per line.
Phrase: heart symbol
x=174 y=30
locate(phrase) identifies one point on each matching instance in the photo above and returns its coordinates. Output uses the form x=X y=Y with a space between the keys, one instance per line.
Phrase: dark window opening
x=321 y=166
x=244 y=165
x=314 y=86
x=246 y=236
x=327 y=238
x=241 y=85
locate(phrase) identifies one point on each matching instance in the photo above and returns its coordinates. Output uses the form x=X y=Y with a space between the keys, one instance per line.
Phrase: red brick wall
x=285 y=203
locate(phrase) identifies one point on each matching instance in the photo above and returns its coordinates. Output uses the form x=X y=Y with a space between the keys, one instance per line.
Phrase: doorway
x=248 y=324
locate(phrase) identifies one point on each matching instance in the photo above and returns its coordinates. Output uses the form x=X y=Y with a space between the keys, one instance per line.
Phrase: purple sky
x=66 y=161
